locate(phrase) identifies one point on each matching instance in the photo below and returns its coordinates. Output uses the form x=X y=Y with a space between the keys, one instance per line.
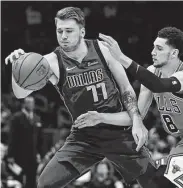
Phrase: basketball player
x=164 y=81
x=81 y=71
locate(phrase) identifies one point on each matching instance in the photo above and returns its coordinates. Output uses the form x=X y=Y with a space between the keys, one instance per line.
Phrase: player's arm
x=139 y=131
x=20 y=92
x=128 y=95
x=121 y=118
x=151 y=81
x=148 y=79
x=145 y=97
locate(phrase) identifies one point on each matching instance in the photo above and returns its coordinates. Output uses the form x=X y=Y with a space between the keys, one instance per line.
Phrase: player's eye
x=69 y=31
x=59 y=31
x=160 y=49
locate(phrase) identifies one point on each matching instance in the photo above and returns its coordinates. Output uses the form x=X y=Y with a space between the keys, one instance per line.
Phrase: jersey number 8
x=169 y=123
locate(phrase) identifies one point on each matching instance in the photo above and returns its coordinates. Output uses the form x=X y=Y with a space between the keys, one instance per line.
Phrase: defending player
x=164 y=81
x=81 y=72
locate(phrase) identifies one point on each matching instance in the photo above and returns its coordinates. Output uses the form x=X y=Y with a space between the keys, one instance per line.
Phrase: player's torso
x=89 y=85
x=170 y=106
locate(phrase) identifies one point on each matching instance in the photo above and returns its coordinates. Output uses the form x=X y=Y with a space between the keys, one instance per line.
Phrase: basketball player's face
x=161 y=53
x=69 y=34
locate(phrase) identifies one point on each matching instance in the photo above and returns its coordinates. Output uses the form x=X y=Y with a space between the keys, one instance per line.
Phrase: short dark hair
x=174 y=36
x=72 y=13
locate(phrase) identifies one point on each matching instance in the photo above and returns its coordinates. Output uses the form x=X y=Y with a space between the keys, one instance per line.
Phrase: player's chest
x=84 y=74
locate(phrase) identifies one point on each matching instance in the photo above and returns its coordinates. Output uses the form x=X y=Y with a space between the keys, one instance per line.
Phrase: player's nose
x=64 y=36
x=153 y=53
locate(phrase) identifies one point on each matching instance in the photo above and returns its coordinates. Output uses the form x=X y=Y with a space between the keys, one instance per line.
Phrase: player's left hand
x=140 y=133
x=89 y=119
x=112 y=45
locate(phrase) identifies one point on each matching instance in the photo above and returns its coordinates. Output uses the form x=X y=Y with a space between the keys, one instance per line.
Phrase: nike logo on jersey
x=68 y=69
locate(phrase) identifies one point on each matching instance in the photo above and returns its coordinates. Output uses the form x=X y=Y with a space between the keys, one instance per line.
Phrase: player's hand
x=14 y=56
x=89 y=119
x=112 y=45
x=139 y=132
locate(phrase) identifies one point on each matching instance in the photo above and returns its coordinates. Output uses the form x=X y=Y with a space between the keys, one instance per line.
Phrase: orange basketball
x=31 y=71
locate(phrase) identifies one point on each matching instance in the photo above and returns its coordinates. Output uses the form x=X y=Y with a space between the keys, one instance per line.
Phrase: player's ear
x=83 y=32
x=175 y=53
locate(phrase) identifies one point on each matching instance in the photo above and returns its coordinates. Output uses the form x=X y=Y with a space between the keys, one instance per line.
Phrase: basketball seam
x=21 y=67
x=39 y=80
x=31 y=71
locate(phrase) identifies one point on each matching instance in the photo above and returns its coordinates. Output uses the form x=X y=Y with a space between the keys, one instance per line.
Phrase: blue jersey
x=89 y=85
x=170 y=106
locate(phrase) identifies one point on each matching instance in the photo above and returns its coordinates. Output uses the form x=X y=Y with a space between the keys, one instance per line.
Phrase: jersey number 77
x=94 y=88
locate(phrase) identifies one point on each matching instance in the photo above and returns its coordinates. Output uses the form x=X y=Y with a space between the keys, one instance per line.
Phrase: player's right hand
x=139 y=132
x=14 y=56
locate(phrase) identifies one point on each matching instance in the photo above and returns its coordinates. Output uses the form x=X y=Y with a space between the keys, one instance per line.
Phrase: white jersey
x=174 y=170
x=170 y=106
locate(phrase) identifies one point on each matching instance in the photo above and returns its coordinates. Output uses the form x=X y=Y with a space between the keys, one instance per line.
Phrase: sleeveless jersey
x=89 y=85
x=170 y=106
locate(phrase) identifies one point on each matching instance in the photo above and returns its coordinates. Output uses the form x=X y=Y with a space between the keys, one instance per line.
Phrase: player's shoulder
x=102 y=47
x=179 y=76
x=151 y=68
x=51 y=57
x=53 y=61
x=105 y=52
x=178 y=73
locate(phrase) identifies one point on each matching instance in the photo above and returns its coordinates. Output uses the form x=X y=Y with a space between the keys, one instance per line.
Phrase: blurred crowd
x=30 y=26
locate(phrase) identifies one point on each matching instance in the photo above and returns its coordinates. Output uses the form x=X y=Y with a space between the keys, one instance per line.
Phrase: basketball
x=31 y=71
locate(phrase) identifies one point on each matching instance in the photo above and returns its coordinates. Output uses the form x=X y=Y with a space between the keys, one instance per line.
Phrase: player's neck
x=79 y=53
x=170 y=67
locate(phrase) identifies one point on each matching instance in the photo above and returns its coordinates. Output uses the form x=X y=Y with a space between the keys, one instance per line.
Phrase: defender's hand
x=112 y=45
x=139 y=132
x=14 y=56
x=89 y=119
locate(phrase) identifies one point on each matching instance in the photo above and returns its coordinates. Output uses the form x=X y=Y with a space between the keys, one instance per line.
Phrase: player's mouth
x=154 y=59
x=64 y=42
